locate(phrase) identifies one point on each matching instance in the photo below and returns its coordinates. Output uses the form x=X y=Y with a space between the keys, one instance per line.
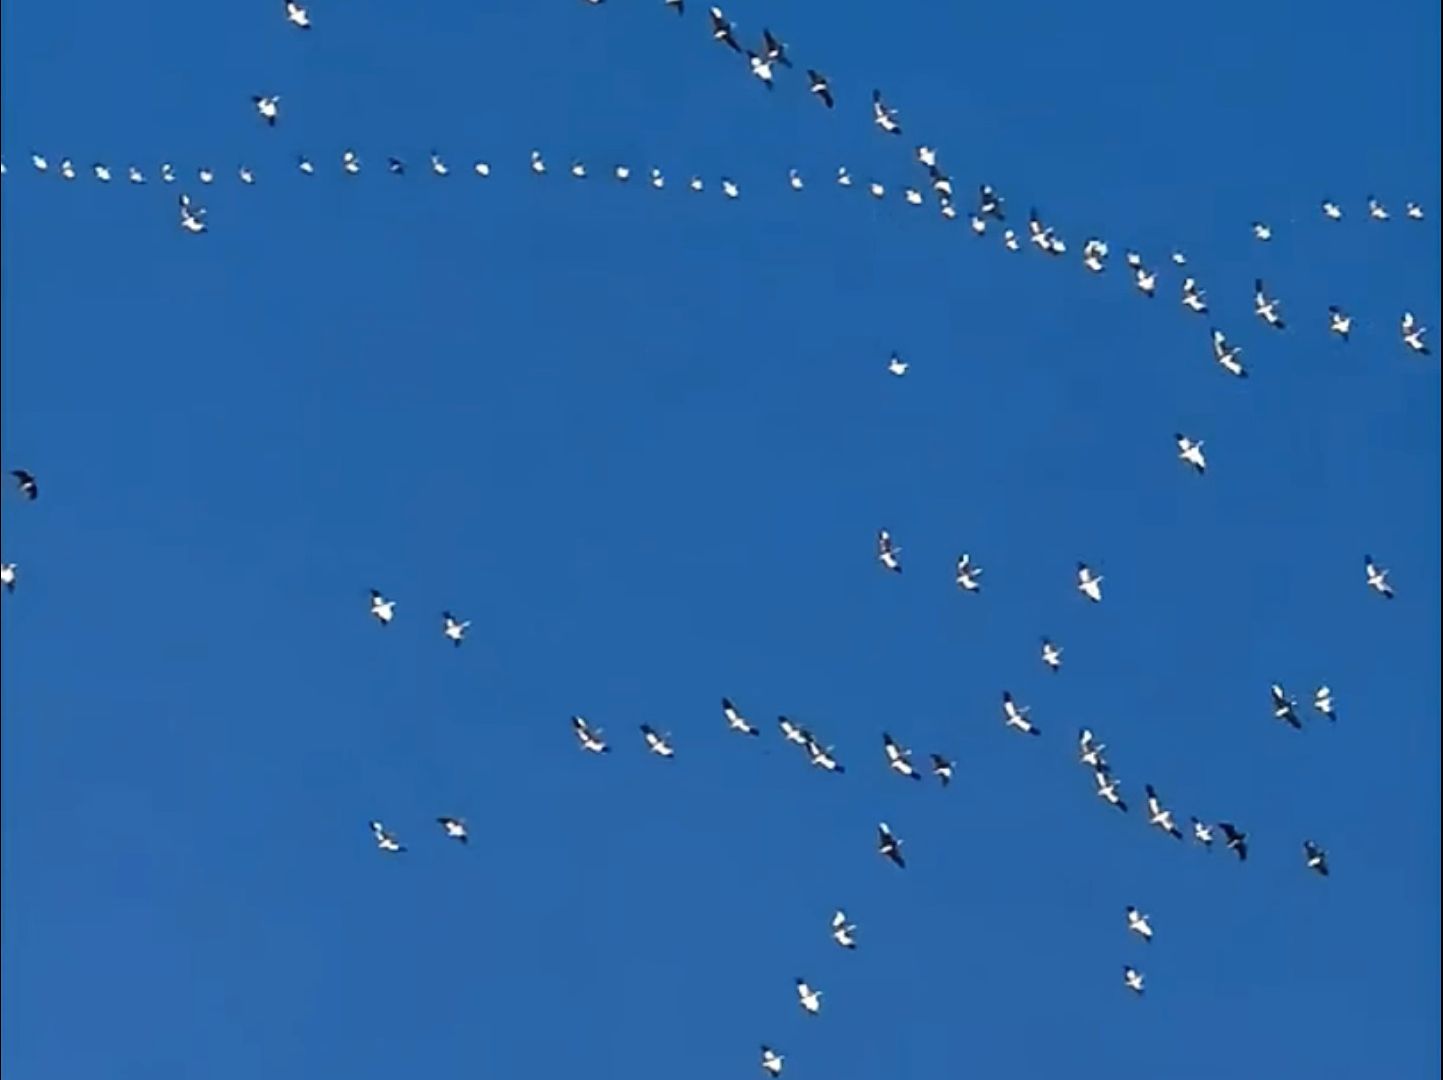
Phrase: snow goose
x=771 y=1060
x=656 y=743
x=1228 y=356
x=1132 y=979
x=1051 y=655
x=888 y=846
x=819 y=86
x=268 y=107
x=808 y=998
x=9 y=575
x=1376 y=210
x=1191 y=451
x=589 y=737
x=1015 y=716
x=1107 y=790
x=888 y=552
x=1377 y=578
x=454 y=628
x=968 y=574
x=897 y=366
x=297 y=15
x=1339 y=321
x=883 y=116
x=26 y=482
x=843 y=932
x=1089 y=751
x=1089 y=583
x=192 y=216
x=1323 y=702
x=1193 y=298
x=942 y=769
x=1201 y=833
x=1138 y=923
x=1236 y=840
x=382 y=610
x=1265 y=307
x=1413 y=334
x=385 y=840
x=1284 y=707
x=899 y=758
x=1159 y=815
x=722 y=30
x=1315 y=858
x=454 y=828
x=735 y=720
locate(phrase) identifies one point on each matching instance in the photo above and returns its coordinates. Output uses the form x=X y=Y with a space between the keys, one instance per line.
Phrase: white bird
x=884 y=117
x=1315 y=858
x=1051 y=655
x=102 y=172
x=1377 y=578
x=1332 y=210
x=821 y=756
x=454 y=628
x=455 y=828
x=1201 y=833
x=1194 y=298
x=1339 y=322
x=761 y=68
x=305 y=165
x=722 y=30
x=1094 y=252
x=1227 y=355
x=1377 y=211
x=384 y=840
x=382 y=610
x=350 y=163
x=1043 y=237
x=1266 y=308
x=297 y=15
x=912 y=196
x=1179 y=259
x=842 y=931
x=578 y=170
x=246 y=176
x=888 y=846
x=191 y=216
x=1015 y=716
x=268 y=107
x=1413 y=334
x=658 y=181
x=897 y=366
x=167 y=172
x=1107 y=790
x=809 y=999
x=657 y=744
x=538 y=164
x=438 y=166
x=1284 y=707
x=1132 y=979
x=887 y=552
x=729 y=188
x=1414 y=211
x=1262 y=231
x=622 y=173
x=899 y=758
x=1323 y=702
x=134 y=175
x=588 y=736
x=482 y=169
x=979 y=224
x=204 y=175
x=771 y=1060
x=1159 y=815
x=38 y=160
x=927 y=156
x=1089 y=751
x=1191 y=451
x=9 y=575
x=876 y=189
x=942 y=769
x=1138 y=923
x=968 y=573
x=1145 y=280
x=844 y=178
x=989 y=202
x=793 y=733
x=67 y=169
x=794 y=178
x=1010 y=242
x=735 y=720
x=1089 y=584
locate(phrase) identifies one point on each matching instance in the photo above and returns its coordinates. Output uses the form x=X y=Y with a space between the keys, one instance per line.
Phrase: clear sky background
x=644 y=440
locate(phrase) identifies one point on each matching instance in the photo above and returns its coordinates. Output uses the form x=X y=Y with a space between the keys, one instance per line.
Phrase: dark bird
x=820 y=87
x=28 y=487
x=1237 y=840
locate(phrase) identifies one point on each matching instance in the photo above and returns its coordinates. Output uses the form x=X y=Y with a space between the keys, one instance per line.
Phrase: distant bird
x=1228 y=356
x=1315 y=858
x=438 y=166
x=455 y=828
x=350 y=163
x=842 y=931
x=1138 y=923
x=167 y=172
x=1201 y=833
x=1159 y=815
x=657 y=744
x=792 y=732
x=889 y=846
x=192 y=216
x=735 y=720
x=722 y=30
x=1107 y=790
x=897 y=366
x=1377 y=211
x=1051 y=655
x=102 y=172
x=927 y=156
x=1132 y=979
x=729 y=188
x=1015 y=716
x=809 y=999
x=302 y=163
x=297 y=15
x=454 y=628
x=794 y=179
x=1143 y=278
x=395 y=166
x=1332 y=211
x=979 y=225
x=989 y=203
x=967 y=574
x=1323 y=702
x=67 y=169
x=1339 y=322
x=1179 y=259
x=658 y=181
x=888 y=552
x=385 y=840
x=821 y=756
x=1089 y=751
x=942 y=769
x=1265 y=307
x=382 y=610
x=771 y=1060
x=9 y=575
x=134 y=175
x=38 y=160
x=774 y=50
x=876 y=189
x=1237 y=840
x=268 y=107
x=941 y=183
x=1377 y=577
x=1043 y=236
x=820 y=87
x=679 y=5
x=912 y=196
x=844 y=178
x=1089 y=583
x=1262 y=231
x=589 y=737
x=1193 y=298
x=1413 y=334
x=1191 y=452
x=204 y=175
x=578 y=170
x=1284 y=707
x=245 y=175
x=1414 y=211
x=884 y=117
x=538 y=164
x=26 y=482
x=899 y=758
x=1010 y=242
x=1094 y=252
x=483 y=169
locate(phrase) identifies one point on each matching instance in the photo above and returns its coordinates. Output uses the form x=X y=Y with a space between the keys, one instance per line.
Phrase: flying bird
x=889 y=846
x=1413 y=334
x=1315 y=858
x=1228 y=356
x=843 y=932
x=1332 y=211
x=1284 y=707
x=899 y=758
x=589 y=737
x=9 y=575
x=1265 y=307
x=989 y=203
x=1014 y=716
x=1089 y=751
x=297 y=15
x=1201 y=833
x=1043 y=237
x=1377 y=211
x=897 y=366
x=192 y=216
x=722 y=30
x=773 y=49
x=1094 y=252
x=1107 y=790
x=382 y=610
x=735 y=720
x=792 y=732
x=1323 y=702
x=884 y=117
x=28 y=485
x=268 y=107
x=1262 y=231
x=771 y=1060
x=887 y=552
x=1377 y=576
x=809 y=999
x=1089 y=584
x=657 y=744
x=819 y=86
x=942 y=769
x=821 y=756
x=385 y=840
x=1237 y=840
x=968 y=573
x=1138 y=923
x=1339 y=322
x=454 y=628
x=1193 y=297
x=455 y=828
x=1414 y=211
x=1191 y=452
x=1132 y=979
x=1051 y=655
x=1159 y=815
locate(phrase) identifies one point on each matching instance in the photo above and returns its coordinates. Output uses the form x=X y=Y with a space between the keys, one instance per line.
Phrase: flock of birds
x=766 y=57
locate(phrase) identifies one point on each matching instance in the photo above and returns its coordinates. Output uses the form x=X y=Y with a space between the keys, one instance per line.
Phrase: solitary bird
x=735 y=720
x=1138 y=923
x=297 y=15
x=1265 y=307
x=385 y=840
x=1284 y=707
x=1339 y=322
x=1227 y=355
x=1089 y=584
x=1316 y=858
x=1237 y=840
x=1262 y=231
x=897 y=366
x=269 y=107
x=889 y=846
x=1191 y=452
x=1159 y=815
x=899 y=758
x=1015 y=716
x=1132 y=979
x=809 y=999
x=9 y=574
x=843 y=932
x=1051 y=654
x=27 y=484
x=883 y=116
x=657 y=744
x=588 y=736
x=967 y=573
x=1377 y=576
x=454 y=628
x=382 y=609
x=888 y=552
x=1323 y=702
x=455 y=828
x=819 y=86
x=1413 y=334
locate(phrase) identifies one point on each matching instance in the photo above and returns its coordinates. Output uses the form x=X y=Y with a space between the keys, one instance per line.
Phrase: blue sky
x=644 y=440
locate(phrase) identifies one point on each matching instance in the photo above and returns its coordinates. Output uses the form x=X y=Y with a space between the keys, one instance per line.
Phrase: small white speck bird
x=268 y=107
x=821 y=756
x=844 y=178
x=482 y=169
x=658 y=181
x=1132 y=979
x=1262 y=231
x=297 y=15
x=192 y=216
x=1159 y=815
x=989 y=203
x=1010 y=241
x=809 y=999
x=1138 y=923
x=302 y=163
x=538 y=163
x=1043 y=237
x=246 y=176
x=589 y=737
x=735 y=720
x=38 y=160
x=1228 y=356
x=1015 y=716
x=1414 y=211
x=1267 y=308
x=67 y=169
x=897 y=366
x=1193 y=297
x=876 y=189
x=899 y=758
x=204 y=175
x=1315 y=858
x=968 y=574
x=794 y=179
x=1089 y=584
x=382 y=610
x=1323 y=702
x=26 y=482
x=1284 y=707
x=1339 y=321
x=1201 y=833
x=843 y=932
x=439 y=167
x=1376 y=210
x=1413 y=334
x=883 y=116
x=9 y=575
x=578 y=170
x=1332 y=211
x=454 y=628
x=889 y=847
x=134 y=175
x=1143 y=278
x=729 y=188
x=350 y=163
x=455 y=828
x=101 y=171
x=771 y=1060
x=1107 y=790
x=385 y=840
x=167 y=172
x=1089 y=751
x=1191 y=452
x=793 y=733
x=657 y=744
x=1051 y=654
x=887 y=552
x=1094 y=255
x=1377 y=578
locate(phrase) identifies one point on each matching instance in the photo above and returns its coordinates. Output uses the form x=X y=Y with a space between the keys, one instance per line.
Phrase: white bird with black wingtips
x=818 y=85
x=888 y=553
x=1339 y=321
x=1414 y=211
x=101 y=171
x=1201 y=832
x=1015 y=716
x=538 y=163
x=1376 y=210
x=1159 y=815
x=889 y=847
x=722 y=30
x=656 y=743
x=589 y=737
x=771 y=1060
x=38 y=160
x=9 y=575
x=1284 y=707
x=1315 y=858
x=1138 y=923
x=897 y=366
x=1377 y=578
x=268 y=107
x=1323 y=702
x=1265 y=307
x=793 y=733
x=1262 y=231
x=1089 y=583
x=942 y=769
x=1193 y=297
x=192 y=216
x=1236 y=840
x=821 y=756
x=808 y=998
x=1413 y=333
x=382 y=610
x=385 y=840
x=1094 y=252
x=843 y=932
x=454 y=628
x=1089 y=751
x=1132 y=979
x=297 y=15
x=1051 y=654
x=761 y=67
x=1143 y=278
x=1108 y=789
x=899 y=758
x=735 y=720
x=1191 y=451
x=454 y=828
x=1332 y=211
x=968 y=574
x=438 y=166
x=1228 y=356
x=883 y=116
